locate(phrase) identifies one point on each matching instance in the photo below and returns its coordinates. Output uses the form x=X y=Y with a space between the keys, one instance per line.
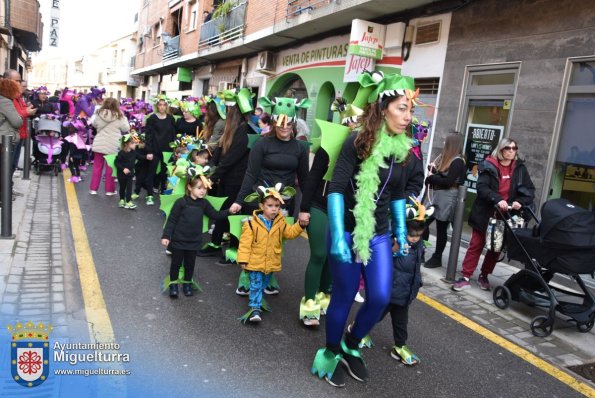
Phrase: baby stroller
x=562 y=243
x=49 y=146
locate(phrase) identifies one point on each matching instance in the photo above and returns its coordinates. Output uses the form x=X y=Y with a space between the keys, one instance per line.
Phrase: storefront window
x=489 y=94
x=573 y=174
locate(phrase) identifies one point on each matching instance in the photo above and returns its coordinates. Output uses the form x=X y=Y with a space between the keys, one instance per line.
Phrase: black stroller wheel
x=501 y=297
x=587 y=326
x=542 y=326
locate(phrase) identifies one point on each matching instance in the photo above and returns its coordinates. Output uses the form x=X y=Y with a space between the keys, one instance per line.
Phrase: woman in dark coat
x=504 y=182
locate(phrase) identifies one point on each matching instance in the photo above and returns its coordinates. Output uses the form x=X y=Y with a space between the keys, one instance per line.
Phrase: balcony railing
x=171 y=47
x=298 y=7
x=223 y=29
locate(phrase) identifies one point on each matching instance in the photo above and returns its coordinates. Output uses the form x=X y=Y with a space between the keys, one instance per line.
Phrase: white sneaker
x=110 y=193
x=93 y=192
x=358 y=298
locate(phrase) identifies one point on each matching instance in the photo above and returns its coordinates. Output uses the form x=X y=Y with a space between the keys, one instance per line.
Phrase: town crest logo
x=29 y=353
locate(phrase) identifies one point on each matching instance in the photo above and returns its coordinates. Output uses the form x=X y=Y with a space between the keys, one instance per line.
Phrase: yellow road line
x=98 y=320
x=520 y=352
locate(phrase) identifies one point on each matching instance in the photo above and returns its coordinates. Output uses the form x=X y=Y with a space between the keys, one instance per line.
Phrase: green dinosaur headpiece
x=162 y=97
x=349 y=113
x=418 y=211
x=126 y=138
x=387 y=85
x=203 y=172
x=242 y=97
x=278 y=191
x=191 y=105
x=218 y=104
x=284 y=109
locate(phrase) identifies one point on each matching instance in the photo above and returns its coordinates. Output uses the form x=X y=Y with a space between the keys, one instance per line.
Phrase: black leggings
x=73 y=165
x=441 y=235
x=399 y=316
x=125 y=183
x=221 y=226
x=181 y=257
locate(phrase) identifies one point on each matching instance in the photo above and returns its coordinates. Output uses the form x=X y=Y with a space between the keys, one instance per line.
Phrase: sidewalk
x=32 y=284
x=565 y=347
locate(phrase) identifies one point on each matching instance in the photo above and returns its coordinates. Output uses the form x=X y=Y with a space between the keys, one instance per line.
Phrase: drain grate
x=586 y=370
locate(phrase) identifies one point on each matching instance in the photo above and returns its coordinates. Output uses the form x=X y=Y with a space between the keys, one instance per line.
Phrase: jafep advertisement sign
x=480 y=141
x=367 y=39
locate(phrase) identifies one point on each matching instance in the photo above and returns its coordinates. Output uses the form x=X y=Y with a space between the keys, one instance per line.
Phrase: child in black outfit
x=406 y=283
x=125 y=162
x=75 y=147
x=183 y=230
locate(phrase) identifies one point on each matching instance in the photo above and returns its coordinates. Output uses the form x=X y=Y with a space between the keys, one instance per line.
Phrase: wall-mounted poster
x=480 y=141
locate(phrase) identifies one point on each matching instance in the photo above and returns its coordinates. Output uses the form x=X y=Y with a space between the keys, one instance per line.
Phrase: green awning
x=184 y=74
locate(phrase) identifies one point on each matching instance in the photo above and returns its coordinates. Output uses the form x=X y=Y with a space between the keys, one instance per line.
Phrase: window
x=157 y=34
x=115 y=58
x=192 y=16
x=205 y=86
x=485 y=116
x=122 y=57
x=572 y=172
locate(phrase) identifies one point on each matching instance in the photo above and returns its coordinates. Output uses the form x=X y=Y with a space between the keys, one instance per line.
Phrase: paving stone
x=37 y=313
x=12 y=288
x=58 y=308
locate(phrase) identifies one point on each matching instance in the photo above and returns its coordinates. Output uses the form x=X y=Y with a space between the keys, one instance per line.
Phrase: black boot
x=356 y=367
x=173 y=291
x=434 y=262
x=187 y=289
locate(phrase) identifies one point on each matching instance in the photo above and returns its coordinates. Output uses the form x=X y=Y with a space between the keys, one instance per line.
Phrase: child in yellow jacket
x=261 y=243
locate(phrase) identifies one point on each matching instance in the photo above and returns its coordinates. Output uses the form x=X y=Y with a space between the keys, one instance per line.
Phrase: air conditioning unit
x=265 y=62
x=222 y=86
x=147 y=31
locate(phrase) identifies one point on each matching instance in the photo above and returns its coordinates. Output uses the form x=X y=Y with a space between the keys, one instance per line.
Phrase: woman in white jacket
x=110 y=124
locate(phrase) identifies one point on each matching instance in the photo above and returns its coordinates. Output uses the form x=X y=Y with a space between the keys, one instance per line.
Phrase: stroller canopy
x=566 y=225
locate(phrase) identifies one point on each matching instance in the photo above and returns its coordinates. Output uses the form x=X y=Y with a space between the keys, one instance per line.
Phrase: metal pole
x=455 y=239
x=27 y=154
x=6 y=192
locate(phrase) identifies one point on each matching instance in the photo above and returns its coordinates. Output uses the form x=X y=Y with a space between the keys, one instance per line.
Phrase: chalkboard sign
x=480 y=141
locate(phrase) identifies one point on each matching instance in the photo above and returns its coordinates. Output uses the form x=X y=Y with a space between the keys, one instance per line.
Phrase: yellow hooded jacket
x=260 y=249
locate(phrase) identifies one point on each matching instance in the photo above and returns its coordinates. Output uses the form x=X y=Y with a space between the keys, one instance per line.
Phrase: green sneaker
x=121 y=203
x=404 y=355
x=149 y=201
x=130 y=205
x=134 y=196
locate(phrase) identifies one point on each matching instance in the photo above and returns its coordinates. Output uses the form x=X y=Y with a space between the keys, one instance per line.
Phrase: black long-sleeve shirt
x=315 y=188
x=126 y=160
x=272 y=161
x=395 y=183
x=455 y=175
x=188 y=128
x=231 y=167
x=184 y=224
x=159 y=133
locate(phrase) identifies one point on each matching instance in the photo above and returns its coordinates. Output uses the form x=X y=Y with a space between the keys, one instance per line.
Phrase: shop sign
x=354 y=65
x=313 y=55
x=54 y=23
x=480 y=141
x=367 y=39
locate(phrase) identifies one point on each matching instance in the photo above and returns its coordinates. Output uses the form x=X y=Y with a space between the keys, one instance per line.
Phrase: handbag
x=495 y=234
x=496 y=231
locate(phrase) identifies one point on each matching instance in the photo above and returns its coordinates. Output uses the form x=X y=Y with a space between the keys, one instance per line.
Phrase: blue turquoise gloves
x=339 y=249
x=397 y=210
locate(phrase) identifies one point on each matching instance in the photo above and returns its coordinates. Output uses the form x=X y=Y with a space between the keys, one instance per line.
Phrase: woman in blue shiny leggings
x=373 y=175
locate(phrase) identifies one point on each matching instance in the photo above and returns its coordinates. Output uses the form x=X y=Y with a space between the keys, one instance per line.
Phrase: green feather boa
x=368 y=180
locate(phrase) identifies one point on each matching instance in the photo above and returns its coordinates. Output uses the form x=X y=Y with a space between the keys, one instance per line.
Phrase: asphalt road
x=197 y=347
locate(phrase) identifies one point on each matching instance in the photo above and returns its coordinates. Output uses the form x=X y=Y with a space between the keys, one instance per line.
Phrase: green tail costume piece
x=244 y=318
x=110 y=160
x=351 y=351
x=273 y=282
x=231 y=254
x=244 y=280
x=167 y=282
x=325 y=363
